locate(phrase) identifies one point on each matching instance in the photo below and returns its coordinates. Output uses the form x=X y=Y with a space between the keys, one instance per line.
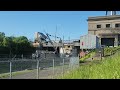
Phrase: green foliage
x=105 y=69
x=110 y=50
x=2 y=35
x=15 y=45
x=87 y=56
x=7 y=41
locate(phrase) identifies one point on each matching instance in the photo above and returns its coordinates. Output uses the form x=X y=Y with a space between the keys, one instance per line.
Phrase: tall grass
x=109 y=68
x=91 y=54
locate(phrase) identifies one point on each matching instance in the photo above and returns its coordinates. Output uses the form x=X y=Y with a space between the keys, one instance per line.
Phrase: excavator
x=42 y=39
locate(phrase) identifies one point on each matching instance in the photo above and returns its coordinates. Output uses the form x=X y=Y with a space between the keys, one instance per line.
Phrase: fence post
x=101 y=55
x=37 y=69
x=63 y=68
x=22 y=56
x=10 y=69
x=78 y=61
x=53 y=67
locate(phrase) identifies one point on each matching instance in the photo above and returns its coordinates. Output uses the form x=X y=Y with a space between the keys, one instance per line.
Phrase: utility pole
x=55 y=33
x=63 y=40
x=63 y=45
x=69 y=39
x=61 y=48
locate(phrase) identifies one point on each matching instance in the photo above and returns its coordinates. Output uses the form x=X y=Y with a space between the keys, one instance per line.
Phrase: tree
x=22 y=44
x=15 y=45
x=8 y=43
x=2 y=36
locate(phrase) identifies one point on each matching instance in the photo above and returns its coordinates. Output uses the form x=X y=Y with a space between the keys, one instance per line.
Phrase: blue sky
x=71 y=24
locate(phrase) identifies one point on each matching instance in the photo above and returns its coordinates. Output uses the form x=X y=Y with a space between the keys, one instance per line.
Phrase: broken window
x=68 y=46
x=98 y=26
x=107 y=25
x=117 y=25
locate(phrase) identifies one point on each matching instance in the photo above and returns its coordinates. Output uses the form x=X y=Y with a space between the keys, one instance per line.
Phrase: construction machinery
x=44 y=44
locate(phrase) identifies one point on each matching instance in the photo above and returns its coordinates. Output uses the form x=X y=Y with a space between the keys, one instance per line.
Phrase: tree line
x=15 y=45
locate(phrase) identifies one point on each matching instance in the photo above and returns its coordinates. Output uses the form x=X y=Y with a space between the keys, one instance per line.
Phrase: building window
x=98 y=26
x=117 y=25
x=68 y=46
x=107 y=25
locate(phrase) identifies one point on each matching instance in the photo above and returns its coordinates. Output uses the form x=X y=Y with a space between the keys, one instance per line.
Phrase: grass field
x=87 y=56
x=109 y=68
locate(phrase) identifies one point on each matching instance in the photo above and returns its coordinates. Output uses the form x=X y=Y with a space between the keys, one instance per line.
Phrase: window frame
x=99 y=25
x=68 y=46
x=118 y=25
x=109 y=25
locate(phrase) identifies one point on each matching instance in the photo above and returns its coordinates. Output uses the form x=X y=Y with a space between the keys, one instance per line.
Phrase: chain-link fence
x=39 y=68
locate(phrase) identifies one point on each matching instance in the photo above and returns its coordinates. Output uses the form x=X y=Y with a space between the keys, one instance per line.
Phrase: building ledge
x=97 y=29
x=100 y=18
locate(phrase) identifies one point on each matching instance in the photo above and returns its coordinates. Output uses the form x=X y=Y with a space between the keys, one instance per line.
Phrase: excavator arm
x=55 y=48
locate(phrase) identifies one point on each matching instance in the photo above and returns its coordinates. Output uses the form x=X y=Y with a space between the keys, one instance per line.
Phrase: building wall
x=104 y=32
x=92 y=27
x=36 y=44
x=92 y=24
x=68 y=48
x=89 y=42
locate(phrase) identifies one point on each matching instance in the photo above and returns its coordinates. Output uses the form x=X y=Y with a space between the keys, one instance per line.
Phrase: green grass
x=110 y=50
x=87 y=56
x=6 y=75
x=109 y=68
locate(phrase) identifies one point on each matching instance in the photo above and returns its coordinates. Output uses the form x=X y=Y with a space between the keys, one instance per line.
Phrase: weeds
x=109 y=68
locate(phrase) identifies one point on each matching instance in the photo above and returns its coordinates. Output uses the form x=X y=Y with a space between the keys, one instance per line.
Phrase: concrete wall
x=104 y=32
x=92 y=27
x=89 y=41
x=67 y=48
x=92 y=24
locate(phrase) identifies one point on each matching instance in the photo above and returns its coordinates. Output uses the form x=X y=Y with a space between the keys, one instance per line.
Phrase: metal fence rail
x=35 y=68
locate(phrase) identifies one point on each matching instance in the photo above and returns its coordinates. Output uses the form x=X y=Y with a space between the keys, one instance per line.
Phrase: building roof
x=98 y=18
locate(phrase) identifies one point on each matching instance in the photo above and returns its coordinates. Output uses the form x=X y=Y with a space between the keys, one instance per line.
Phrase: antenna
x=55 y=33
x=44 y=30
x=69 y=39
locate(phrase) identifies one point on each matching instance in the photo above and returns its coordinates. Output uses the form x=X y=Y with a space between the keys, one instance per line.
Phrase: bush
x=110 y=50
x=105 y=69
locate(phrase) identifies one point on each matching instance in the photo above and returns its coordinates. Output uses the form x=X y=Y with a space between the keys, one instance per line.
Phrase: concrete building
x=89 y=41
x=71 y=46
x=68 y=48
x=107 y=28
